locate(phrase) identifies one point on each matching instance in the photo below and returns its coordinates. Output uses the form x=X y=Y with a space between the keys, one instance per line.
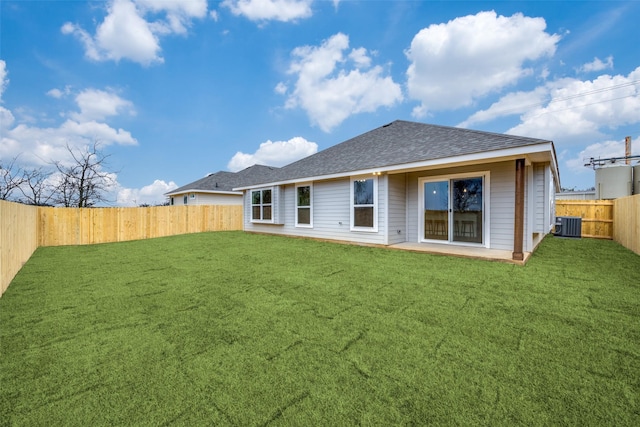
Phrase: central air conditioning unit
x=568 y=226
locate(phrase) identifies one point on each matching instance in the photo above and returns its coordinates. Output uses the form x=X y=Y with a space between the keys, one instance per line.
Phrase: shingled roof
x=224 y=181
x=399 y=142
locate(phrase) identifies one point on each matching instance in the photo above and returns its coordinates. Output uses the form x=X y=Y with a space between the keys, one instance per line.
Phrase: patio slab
x=461 y=251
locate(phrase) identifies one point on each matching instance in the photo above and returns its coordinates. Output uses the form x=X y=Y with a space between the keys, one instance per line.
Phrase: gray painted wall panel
x=397 y=209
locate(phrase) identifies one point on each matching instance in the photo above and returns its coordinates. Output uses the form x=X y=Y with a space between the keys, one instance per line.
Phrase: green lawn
x=238 y=329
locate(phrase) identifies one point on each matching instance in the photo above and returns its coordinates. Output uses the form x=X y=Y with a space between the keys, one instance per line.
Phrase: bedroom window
x=364 y=200
x=261 y=205
x=304 y=213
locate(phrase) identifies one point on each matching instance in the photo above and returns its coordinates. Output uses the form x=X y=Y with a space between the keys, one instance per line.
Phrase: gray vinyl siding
x=503 y=185
x=397 y=207
x=331 y=214
x=412 y=206
x=208 y=199
x=539 y=198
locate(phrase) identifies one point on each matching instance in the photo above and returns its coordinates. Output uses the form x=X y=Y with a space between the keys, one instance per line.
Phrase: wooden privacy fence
x=18 y=239
x=84 y=226
x=597 y=216
x=24 y=228
x=627 y=222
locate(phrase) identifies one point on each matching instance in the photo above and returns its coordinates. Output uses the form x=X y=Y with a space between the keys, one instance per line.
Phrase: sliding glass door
x=453 y=209
x=467 y=209
x=436 y=210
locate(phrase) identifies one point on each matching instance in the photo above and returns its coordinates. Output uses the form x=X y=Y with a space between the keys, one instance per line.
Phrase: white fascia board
x=494 y=156
x=234 y=193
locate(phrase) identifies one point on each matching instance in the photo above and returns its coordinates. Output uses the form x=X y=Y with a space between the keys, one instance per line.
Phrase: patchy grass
x=239 y=329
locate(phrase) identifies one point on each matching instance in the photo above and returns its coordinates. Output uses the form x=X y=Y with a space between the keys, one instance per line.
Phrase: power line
x=523 y=108
x=581 y=106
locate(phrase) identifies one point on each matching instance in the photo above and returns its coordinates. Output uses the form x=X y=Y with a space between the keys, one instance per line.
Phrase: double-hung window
x=304 y=212
x=261 y=205
x=364 y=202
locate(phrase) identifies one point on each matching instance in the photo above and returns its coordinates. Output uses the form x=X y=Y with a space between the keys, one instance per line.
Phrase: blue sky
x=176 y=89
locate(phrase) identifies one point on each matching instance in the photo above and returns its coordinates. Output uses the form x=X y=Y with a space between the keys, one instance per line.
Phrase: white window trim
x=261 y=221
x=310 y=185
x=373 y=229
x=486 y=196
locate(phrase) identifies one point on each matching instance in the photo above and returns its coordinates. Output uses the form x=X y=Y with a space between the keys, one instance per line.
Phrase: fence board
x=597 y=216
x=627 y=221
x=18 y=239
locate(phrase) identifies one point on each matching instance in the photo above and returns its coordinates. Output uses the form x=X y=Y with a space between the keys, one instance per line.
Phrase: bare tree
x=84 y=181
x=11 y=178
x=36 y=188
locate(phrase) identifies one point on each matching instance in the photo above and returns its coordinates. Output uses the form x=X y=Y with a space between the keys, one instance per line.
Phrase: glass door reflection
x=436 y=210
x=467 y=209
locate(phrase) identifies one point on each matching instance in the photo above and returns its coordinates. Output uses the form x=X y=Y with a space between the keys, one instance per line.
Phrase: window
x=364 y=197
x=261 y=205
x=172 y=201
x=185 y=199
x=304 y=215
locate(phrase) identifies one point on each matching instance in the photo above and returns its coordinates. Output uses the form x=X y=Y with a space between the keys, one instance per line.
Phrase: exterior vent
x=568 y=226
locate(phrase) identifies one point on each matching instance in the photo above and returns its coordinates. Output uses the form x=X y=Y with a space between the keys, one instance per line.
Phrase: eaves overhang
x=538 y=152
x=174 y=193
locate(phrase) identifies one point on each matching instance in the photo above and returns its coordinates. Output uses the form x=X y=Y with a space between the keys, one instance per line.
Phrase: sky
x=173 y=90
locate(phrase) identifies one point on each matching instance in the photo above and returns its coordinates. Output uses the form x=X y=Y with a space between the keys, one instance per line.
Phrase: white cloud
x=55 y=93
x=265 y=10
x=277 y=153
x=510 y=104
x=97 y=104
x=39 y=146
x=179 y=14
x=214 y=15
x=3 y=77
x=280 y=88
x=601 y=150
x=456 y=63
x=59 y=93
x=126 y=34
x=329 y=91
x=6 y=118
x=597 y=65
x=360 y=58
x=583 y=109
x=152 y=194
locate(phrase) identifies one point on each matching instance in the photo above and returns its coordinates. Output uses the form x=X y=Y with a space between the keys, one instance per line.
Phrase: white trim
x=550 y=199
x=387 y=208
x=467 y=159
x=373 y=229
x=528 y=238
x=296 y=207
x=177 y=193
x=486 y=211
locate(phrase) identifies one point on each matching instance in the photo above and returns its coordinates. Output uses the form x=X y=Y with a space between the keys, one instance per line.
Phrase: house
x=217 y=188
x=415 y=185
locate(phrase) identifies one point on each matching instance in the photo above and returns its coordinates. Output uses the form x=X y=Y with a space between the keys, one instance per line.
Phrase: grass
x=239 y=329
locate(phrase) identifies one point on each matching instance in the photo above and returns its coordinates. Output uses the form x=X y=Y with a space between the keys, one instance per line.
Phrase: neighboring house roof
x=397 y=143
x=225 y=182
